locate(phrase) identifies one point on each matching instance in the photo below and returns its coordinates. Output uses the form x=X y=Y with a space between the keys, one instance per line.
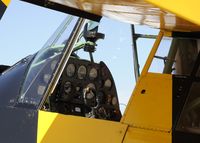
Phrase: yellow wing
x=164 y=14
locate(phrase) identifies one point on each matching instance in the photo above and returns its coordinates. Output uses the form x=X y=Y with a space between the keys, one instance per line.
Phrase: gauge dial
x=91 y=86
x=108 y=83
x=114 y=101
x=41 y=89
x=71 y=70
x=53 y=64
x=67 y=87
x=82 y=71
x=46 y=78
x=93 y=73
x=89 y=95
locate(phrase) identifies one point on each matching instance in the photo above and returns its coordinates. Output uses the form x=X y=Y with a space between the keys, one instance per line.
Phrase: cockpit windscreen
x=43 y=66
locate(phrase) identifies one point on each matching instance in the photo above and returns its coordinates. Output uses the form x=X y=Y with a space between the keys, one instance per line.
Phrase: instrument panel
x=86 y=89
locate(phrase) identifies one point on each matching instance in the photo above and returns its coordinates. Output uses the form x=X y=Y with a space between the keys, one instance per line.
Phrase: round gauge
x=91 y=86
x=71 y=70
x=108 y=83
x=114 y=101
x=90 y=95
x=67 y=87
x=41 y=89
x=93 y=73
x=82 y=71
x=53 y=64
x=46 y=78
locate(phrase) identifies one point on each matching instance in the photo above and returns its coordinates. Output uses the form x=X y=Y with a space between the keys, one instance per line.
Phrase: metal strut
x=135 y=53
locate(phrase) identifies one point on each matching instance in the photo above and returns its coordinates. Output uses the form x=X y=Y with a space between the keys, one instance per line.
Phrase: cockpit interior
x=86 y=89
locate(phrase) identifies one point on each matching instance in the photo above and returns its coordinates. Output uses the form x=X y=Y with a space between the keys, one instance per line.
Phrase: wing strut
x=135 y=54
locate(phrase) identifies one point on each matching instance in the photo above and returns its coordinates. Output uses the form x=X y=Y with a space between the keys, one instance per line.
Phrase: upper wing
x=164 y=14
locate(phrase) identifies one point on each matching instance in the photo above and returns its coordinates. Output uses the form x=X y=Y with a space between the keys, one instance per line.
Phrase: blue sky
x=25 y=28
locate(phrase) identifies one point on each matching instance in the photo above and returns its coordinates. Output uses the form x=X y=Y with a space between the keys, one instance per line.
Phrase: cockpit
x=86 y=89
x=81 y=87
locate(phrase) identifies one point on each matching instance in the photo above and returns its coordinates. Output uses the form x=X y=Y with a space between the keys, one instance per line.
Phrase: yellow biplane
x=58 y=101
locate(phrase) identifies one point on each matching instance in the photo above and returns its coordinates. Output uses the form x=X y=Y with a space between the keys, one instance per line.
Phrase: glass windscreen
x=43 y=66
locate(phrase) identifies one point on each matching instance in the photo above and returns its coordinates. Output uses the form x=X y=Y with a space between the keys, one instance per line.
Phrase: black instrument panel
x=86 y=89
